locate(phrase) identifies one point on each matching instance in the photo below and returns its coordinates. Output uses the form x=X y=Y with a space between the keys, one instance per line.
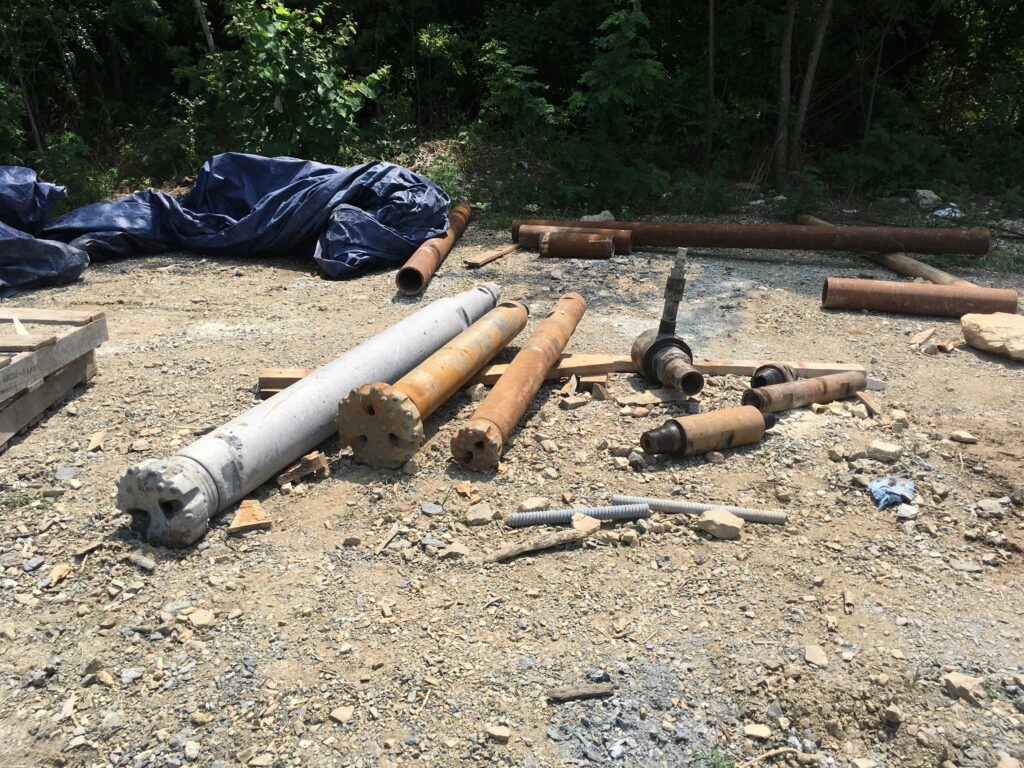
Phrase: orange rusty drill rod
x=916 y=298
x=786 y=236
x=705 y=432
x=530 y=236
x=793 y=394
x=383 y=424
x=479 y=443
x=413 y=277
x=572 y=245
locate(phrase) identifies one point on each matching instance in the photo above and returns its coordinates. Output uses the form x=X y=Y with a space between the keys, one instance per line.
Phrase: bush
x=12 y=114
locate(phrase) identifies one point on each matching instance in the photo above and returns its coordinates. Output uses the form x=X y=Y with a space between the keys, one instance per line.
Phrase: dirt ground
x=423 y=659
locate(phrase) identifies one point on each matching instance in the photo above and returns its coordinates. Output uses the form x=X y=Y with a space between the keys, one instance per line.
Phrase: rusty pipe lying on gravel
x=478 y=444
x=173 y=499
x=772 y=373
x=916 y=298
x=572 y=245
x=658 y=353
x=793 y=237
x=414 y=275
x=530 y=236
x=383 y=424
x=705 y=432
x=793 y=394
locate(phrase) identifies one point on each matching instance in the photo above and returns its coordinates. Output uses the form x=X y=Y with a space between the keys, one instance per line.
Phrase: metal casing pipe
x=574 y=245
x=794 y=394
x=916 y=298
x=679 y=506
x=530 y=236
x=175 y=498
x=478 y=444
x=414 y=275
x=384 y=424
x=772 y=373
x=786 y=236
x=705 y=432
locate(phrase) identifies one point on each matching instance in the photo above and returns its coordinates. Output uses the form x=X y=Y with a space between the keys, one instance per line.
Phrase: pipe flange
x=477 y=445
x=648 y=344
x=381 y=424
x=170 y=500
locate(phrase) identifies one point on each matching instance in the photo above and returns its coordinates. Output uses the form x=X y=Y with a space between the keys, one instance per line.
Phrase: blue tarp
x=348 y=219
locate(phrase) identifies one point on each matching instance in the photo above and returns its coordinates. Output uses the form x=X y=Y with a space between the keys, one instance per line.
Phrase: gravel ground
x=299 y=646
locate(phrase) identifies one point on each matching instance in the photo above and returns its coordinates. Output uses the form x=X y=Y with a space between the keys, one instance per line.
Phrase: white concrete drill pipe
x=679 y=506
x=172 y=500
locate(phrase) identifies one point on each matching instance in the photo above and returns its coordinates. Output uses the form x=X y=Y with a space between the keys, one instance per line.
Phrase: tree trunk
x=874 y=77
x=710 y=127
x=33 y=124
x=201 y=11
x=807 y=87
x=782 y=120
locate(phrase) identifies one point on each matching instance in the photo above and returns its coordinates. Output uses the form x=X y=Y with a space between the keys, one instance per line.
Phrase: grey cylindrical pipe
x=563 y=516
x=770 y=516
x=173 y=499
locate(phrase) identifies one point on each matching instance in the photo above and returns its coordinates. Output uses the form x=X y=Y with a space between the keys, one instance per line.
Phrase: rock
x=906 y=512
x=96 y=441
x=139 y=446
x=112 y=720
x=990 y=508
x=480 y=514
x=499 y=733
x=202 y=617
x=926 y=200
x=534 y=504
x=148 y=564
x=477 y=392
x=815 y=656
x=351 y=541
x=863 y=762
x=549 y=473
x=602 y=216
x=859 y=411
x=585 y=523
x=191 y=750
x=961 y=686
x=549 y=446
x=572 y=403
x=431 y=508
x=130 y=675
x=411 y=467
x=892 y=715
x=453 y=550
x=880 y=450
x=342 y=715
x=757 y=731
x=963 y=436
x=715 y=457
x=964 y=566
x=1008 y=762
x=999 y=333
x=720 y=523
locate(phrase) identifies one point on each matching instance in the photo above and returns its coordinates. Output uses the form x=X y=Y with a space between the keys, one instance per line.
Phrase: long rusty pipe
x=383 y=423
x=573 y=245
x=786 y=236
x=530 y=236
x=478 y=444
x=413 y=277
x=705 y=432
x=916 y=298
x=793 y=394
x=897 y=262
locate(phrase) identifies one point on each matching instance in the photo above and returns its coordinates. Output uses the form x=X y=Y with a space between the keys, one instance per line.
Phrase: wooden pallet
x=44 y=354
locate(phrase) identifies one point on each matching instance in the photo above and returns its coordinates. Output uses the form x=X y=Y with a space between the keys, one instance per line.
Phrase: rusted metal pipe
x=572 y=245
x=478 y=444
x=383 y=423
x=916 y=298
x=786 y=236
x=658 y=353
x=705 y=432
x=413 y=277
x=530 y=236
x=793 y=394
x=897 y=262
x=772 y=373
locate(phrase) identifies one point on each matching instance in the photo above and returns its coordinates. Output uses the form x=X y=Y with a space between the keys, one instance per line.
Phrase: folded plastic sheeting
x=348 y=219
x=25 y=205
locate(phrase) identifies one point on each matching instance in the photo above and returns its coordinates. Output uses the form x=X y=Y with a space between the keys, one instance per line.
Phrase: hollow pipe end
x=170 y=500
x=753 y=397
x=683 y=377
x=381 y=425
x=478 y=445
x=410 y=280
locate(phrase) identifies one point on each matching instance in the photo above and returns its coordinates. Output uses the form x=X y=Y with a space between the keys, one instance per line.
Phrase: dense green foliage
x=537 y=104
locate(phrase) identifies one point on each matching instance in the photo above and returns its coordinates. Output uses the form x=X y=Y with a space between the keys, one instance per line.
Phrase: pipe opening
x=394 y=439
x=692 y=383
x=170 y=508
x=369 y=410
x=409 y=281
x=140 y=520
x=467 y=457
x=754 y=398
x=824 y=292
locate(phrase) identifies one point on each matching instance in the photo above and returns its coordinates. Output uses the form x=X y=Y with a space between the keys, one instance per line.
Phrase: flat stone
x=999 y=333
x=202 y=617
x=572 y=403
x=431 y=508
x=342 y=714
x=499 y=733
x=757 y=731
x=963 y=436
x=480 y=514
x=534 y=504
x=961 y=686
x=926 y=200
x=453 y=550
x=585 y=523
x=964 y=566
x=148 y=564
x=815 y=656
x=880 y=450
x=863 y=762
x=720 y=523
x=906 y=512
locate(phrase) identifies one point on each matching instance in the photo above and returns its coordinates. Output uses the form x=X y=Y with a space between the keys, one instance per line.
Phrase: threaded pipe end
x=668 y=438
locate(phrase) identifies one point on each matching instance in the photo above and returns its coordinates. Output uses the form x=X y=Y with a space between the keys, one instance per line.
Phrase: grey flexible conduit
x=770 y=516
x=562 y=516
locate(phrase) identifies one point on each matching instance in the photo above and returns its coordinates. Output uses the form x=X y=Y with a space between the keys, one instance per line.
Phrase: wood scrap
x=392 y=532
x=314 y=463
x=557 y=539
x=473 y=262
x=587 y=383
x=574 y=692
x=569 y=388
x=747 y=367
x=870 y=403
x=568 y=365
x=29 y=342
x=250 y=517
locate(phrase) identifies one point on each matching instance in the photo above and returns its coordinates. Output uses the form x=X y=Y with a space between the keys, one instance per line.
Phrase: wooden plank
x=25 y=408
x=28 y=342
x=314 y=463
x=747 y=367
x=574 y=692
x=26 y=368
x=568 y=365
x=548 y=541
x=870 y=403
x=48 y=316
x=279 y=378
x=4 y=362
x=473 y=262
x=250 y=517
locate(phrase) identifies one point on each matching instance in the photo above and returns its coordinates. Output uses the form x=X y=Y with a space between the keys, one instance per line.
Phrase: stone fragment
x=572 y=403
x=585 y=523
x=757 y=731
x=815 y=656
x=720 y=523
x=342 y=715
x=499 y=733
x=963 y=436
x=202 y=617
x=480 y=514
x=964 y=566
x=926 y=200
x=454 y=550
x=960 y=686
x=999 y=333
x=96 y=441
x=191 y=750
x=534 y=504
x=892 y=715
x=477 y=392
x=148 y=564
x=880 y=450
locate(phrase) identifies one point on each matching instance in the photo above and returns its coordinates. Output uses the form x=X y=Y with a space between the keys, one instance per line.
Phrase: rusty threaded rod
x=478 y=444
x=916 y=298
x=705 y=432
x=414 y=275
x=793 y=394
x=383 y=423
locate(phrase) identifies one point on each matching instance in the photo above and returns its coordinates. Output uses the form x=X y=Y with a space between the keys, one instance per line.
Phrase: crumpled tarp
x=890 y=490
x=25 y=261
x=348 y=219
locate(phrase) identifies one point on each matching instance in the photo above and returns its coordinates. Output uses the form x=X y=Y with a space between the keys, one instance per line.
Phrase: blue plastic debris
x=890 y=490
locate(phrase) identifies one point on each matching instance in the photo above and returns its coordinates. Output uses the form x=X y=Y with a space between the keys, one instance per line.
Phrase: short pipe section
x=795 y=394
x=622 y=239
x=414 y=275
x=573 y=245
x=916 y=298
x=705 y=432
